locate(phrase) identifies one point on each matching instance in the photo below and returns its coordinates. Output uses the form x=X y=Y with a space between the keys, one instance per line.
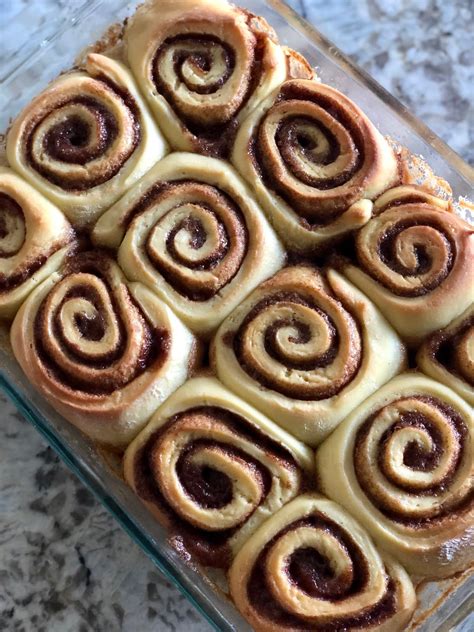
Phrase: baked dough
x=315 y=162
x=312 y=566
x=35 y=239
x=86 y=139
x=415 y=263
x=213 y=468
x=204 y=65
x=192 y=232
x=448 y=355
x=104 y=352
x=305 y=348
x=402 y=464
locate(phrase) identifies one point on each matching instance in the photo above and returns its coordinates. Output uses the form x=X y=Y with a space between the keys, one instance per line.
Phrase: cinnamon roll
x=415 y=262
x=86 y=139
x=402 y=463
x=409 y=194
x=315 y=161
x=204 y=65
x=305 y=348
x=103 y=351
x=312 y=567
x=191 y=231
x=212 y=468
x=35 y=239
x=448 y=355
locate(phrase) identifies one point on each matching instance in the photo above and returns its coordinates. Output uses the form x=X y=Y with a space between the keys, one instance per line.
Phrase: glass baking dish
x=47 y=43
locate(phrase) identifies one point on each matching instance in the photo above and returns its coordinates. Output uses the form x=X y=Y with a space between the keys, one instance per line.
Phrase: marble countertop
x=65 y=565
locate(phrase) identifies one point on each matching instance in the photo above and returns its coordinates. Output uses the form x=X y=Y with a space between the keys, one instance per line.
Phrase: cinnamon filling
x=443 y=349
x=418 y=458
x=209 y=137
x=205 y=485
x=387 y=251
x=311 y=573
x=297 y=391
x=154 y=344
x=13 y=233
x=292 y=139
x=73 y=141
x=232 y=237
x=11 y=216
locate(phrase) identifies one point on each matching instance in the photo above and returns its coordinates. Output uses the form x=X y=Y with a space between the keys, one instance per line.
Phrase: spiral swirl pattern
x=407 y=472
x=213 y=468
x=85 y=139
x=205 y=65
x=290 y=330
x=316 y=163
x=412 y=448
x=415 y=263
x=299 y=347
x=85 y=336
x=410 y=254
x=311 y=566
x=198 y=244
x=35 y=238
x=409 y=194
x=89 y=332
x=448 y=355
x=192 y=233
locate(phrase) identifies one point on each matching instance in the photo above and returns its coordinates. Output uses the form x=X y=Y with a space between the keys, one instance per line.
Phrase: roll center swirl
x=410 y=459
x=81 y=139
x=89 y=331
x=194 y=236
x=410 y=250
x=297 y=348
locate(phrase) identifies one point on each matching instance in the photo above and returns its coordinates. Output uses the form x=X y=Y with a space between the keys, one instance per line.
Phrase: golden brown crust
x=204 y=65
x=212 y=469
x=85 y=139
x=415 y=263
x=312 y=567
x=104 y=352
x=192 y=232
x=448 y=355
x=35 y=239
x=304 y=347
x=402 y=463
x=316 y=163
x=409 y=194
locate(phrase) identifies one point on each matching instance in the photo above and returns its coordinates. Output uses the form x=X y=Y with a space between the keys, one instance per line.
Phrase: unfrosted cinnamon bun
x=448 y=355
x=204 y=65
x=35 y=239
x=212 y=468
x=103 y=351
x=191 y=231
x=313 y=567
x=402 y=463
x=315 y=162
x=305 y=348
x=415 y=263
x=86 y=139
x=409 y=194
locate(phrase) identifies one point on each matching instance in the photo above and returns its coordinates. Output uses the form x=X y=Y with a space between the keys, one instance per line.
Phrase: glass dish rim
x=39 y=421
x=358 y=73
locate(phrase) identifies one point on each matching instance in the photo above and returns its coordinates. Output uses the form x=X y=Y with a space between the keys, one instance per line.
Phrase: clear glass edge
x=360 y=75
x=451 y=610
x=38 y=421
